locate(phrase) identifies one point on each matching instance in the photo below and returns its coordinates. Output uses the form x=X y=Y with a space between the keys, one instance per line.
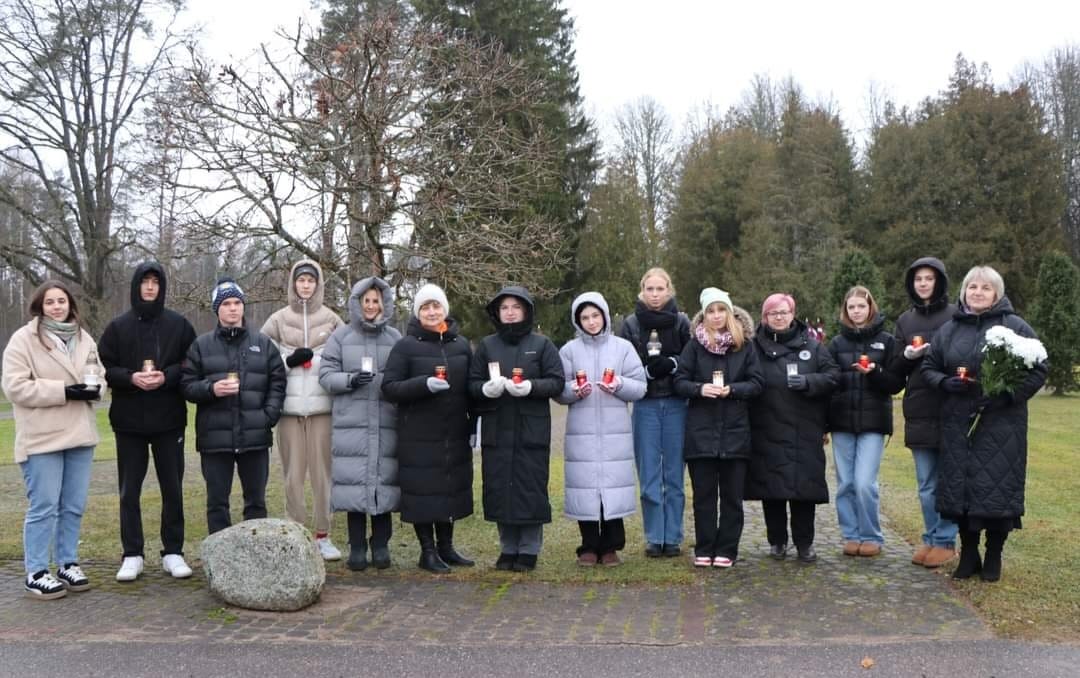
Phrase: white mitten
x=494 y=388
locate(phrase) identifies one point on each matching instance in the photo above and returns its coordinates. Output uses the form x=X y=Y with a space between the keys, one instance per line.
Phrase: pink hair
x=774 y=300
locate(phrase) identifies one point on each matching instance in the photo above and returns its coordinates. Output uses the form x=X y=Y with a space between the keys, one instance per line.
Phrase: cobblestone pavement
x=759 y=601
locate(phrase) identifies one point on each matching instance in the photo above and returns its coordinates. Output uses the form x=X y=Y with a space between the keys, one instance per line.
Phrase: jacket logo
x=878 y=345
x=254 y=349
x=530 y=352
x=804 y=354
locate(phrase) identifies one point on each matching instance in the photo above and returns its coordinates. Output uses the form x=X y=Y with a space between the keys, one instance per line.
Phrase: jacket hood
x=148 y=309
x=940 y=297
x=316 y=300
x=1001 y=307
x=866 y=331
x=512 y=332
x=356 y=310
x=597 y=300
x=793 y=336
x=741 y=316
x=415 y=329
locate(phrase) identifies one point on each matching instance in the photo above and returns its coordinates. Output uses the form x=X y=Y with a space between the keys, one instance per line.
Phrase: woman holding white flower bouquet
x=988 y=363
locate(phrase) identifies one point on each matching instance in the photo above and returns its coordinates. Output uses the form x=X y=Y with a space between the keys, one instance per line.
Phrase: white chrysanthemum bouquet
x=1007 y=357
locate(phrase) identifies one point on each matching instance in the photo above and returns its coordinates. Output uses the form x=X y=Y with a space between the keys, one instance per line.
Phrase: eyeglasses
x=778 y=314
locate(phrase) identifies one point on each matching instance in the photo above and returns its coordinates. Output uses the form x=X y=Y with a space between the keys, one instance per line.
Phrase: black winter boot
x=444 y=534
x=429 y=557
x=380 y=557
x=991 y=569
x=969 y=556
x=357 y=557
x=526 y=562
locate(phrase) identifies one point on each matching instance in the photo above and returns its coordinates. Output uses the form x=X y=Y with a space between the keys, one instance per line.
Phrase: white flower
x=999 y=335
x=1030 y=351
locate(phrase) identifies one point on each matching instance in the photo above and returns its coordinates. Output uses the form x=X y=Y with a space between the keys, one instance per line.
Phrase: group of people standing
x=385 y=423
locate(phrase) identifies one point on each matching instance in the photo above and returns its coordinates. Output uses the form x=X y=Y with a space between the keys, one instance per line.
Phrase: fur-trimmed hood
x=740 y=314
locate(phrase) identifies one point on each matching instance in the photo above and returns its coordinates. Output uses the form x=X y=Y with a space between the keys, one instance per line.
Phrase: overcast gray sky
x=686 y=53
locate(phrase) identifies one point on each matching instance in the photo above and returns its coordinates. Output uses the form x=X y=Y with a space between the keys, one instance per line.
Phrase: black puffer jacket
x=515 y=433
x=862 y=403
x=922 y=403
x=788 y=427
x=148 y=331
x=242 y=422
x=672 y=328
x=718 y=428
x=434 y=458
x=983 y=477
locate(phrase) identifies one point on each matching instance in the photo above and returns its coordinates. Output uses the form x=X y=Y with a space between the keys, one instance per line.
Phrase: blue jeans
x=858 y=457
x=659 y=427
x=939 y=531
x=56 y=486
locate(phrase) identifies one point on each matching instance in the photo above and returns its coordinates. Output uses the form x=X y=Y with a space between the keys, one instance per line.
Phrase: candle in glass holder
x=792 y=369
x=718 y=378
x=440 y=372
x=367 y=364
x=609 y=375
x=962 y=372
x=493 y=370
x=232 y=376
x=864 y=361
x=581 y=377
x=148 y=365
x=517 y=375
x=917 y=341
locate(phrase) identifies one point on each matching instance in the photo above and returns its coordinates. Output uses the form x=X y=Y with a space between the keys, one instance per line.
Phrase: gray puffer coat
x=364 y=467
x=599 y=450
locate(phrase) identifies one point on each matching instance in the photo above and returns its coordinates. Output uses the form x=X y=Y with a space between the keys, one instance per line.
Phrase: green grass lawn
x=1037 y=598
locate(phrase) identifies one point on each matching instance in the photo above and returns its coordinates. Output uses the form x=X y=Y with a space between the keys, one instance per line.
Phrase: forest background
x=448 y=141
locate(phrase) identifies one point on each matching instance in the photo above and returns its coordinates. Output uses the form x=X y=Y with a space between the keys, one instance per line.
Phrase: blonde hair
x=656 y=272
x=732 y=325
x=863 y=293
x=985 y=274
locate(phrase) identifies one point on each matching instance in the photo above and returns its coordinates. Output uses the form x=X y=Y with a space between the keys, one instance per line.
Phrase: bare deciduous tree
x=381 y=149
x=72 y=75
x=645 y=136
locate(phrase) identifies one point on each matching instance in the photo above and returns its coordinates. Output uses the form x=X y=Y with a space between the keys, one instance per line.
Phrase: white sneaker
x=174 y=564
x=130 y=569
x=327 y=549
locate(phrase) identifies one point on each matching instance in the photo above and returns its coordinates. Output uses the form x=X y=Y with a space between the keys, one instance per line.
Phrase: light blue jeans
x=659 y=427
x=858 y=457
x=56 y=486
x=939 y=531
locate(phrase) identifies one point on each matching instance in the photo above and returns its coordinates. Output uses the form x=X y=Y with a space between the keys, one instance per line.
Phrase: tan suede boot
x=938 y=556
x=920 y=555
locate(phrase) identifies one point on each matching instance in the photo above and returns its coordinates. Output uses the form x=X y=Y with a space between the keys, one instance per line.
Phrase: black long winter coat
x=922 y=402
x=788 y=427
x=515 y=433
x=434 y=458
x=148 y=331
x=242 y=422
x=983 y=477
x=718 y=428
x=862 y=403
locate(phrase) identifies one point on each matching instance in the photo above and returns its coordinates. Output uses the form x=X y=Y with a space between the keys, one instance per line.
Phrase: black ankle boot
x=991 y=569
x=444 y=534
x=525 y=562
x=969 y=556
x=357 y=557
x=380 y=557
x=429 y=557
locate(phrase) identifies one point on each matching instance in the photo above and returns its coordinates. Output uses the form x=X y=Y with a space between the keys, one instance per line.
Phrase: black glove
x=659 y=366
x=797 y=382
x=360 y=378
x=299 y=357
x=81 y=392
x=955 y=385
x=994 y=402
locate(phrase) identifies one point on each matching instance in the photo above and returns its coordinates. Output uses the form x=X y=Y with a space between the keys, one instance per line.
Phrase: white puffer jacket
x=298 y=325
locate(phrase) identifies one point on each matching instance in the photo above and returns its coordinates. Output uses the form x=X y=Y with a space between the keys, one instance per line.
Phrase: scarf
x=723 y=341
x=65 y=332
x=664 y=321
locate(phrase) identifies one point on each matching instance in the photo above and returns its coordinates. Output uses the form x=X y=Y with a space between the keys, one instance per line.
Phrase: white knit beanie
x=711 y=295
x=430 y=292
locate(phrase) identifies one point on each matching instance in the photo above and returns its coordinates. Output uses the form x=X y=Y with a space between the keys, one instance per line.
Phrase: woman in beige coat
x=51 y=376
x=300 y=331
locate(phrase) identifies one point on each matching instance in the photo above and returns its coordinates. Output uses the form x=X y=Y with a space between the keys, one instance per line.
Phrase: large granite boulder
x=264 y=564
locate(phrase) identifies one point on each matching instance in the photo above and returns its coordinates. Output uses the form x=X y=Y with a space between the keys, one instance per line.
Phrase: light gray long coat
x=364 y=467
x=598 y=455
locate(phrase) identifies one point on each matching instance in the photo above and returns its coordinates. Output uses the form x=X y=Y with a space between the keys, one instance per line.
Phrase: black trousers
x=776 y=521
x=253 y=467
x=601 y=536
x=717 y=481
x=132 y=459
x=382 y=527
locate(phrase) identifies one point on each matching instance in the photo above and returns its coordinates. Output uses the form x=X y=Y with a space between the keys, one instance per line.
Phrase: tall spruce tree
x=1057 y=319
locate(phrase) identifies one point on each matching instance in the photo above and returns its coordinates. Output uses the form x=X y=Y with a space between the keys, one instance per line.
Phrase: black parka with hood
x=862 y=403
x=148 y=331
x=515 y=433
